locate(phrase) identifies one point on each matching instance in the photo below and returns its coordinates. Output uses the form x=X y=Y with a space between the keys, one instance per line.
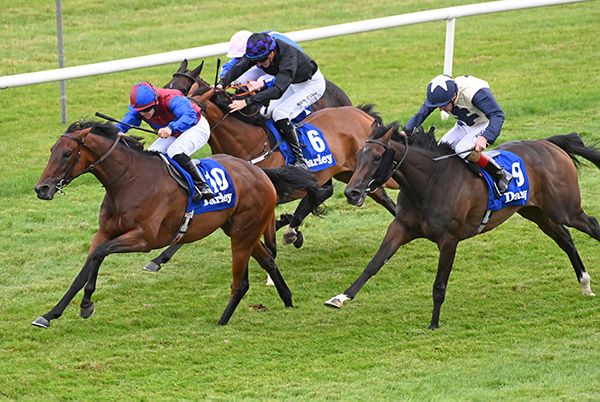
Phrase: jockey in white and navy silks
x=181 y=128
x=237 y=48
x=298 y=83
x=480 y=119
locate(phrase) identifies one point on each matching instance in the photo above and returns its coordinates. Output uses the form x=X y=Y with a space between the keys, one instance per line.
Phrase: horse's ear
x=196 y=72
x=183 y=66
x=431 y=130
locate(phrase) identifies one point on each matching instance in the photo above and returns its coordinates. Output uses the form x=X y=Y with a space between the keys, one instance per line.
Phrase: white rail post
x=61 y=62
x=449 y=53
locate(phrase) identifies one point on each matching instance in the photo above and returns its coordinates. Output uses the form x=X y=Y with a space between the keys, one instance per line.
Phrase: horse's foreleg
x=267 y=262
x=381 y=197
x=306 y=206
x=445 y=262
x=239 y=284
x=397 y=235
x=164 y=257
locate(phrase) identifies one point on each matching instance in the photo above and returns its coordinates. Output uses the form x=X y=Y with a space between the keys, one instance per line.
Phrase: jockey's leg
x=501 y=176
x=184 y=146
x=288 y=132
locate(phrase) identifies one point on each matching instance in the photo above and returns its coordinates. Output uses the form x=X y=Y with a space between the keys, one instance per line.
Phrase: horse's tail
x=573 y=145
x=370 y=110
x=288 y=179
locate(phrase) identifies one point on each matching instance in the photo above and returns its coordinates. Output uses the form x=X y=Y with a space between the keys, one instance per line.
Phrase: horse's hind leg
x=265 y=259
x=563 y=238
x=165 y=256
x=306 y=205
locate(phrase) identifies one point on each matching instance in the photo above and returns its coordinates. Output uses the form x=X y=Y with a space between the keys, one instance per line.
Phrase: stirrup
x=503 y=181
x=202 y=193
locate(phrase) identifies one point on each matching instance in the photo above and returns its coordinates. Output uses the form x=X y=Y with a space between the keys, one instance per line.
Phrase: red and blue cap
x=143 y=95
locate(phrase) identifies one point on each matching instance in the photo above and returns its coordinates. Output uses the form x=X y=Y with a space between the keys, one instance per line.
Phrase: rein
x=62 y=183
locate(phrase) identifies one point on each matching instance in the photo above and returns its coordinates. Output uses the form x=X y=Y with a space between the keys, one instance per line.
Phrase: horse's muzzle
x=45 y=192
x=354 y=196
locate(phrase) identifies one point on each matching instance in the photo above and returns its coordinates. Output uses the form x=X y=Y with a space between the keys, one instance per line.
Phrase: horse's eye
x=67 y=153
x=377 y=157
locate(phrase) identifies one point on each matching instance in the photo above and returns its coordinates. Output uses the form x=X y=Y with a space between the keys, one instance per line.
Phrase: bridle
x=62 y=183
x=388 y=152
x=186 y=75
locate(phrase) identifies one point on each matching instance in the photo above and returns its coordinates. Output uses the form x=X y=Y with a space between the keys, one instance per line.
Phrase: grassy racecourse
x=514 y=325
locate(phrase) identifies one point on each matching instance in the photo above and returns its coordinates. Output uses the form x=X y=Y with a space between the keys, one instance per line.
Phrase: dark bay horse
x=444 y=202
x=346 y=128
x=143 y=208
x=183 y=79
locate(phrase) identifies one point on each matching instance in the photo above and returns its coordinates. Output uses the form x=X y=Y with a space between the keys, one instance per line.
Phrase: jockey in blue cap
x=181 y=128
x=479 y=116
x=298 y=84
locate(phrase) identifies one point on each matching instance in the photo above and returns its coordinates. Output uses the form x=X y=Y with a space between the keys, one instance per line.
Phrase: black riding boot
x=501 y=176
x=203 y=191
x=288 y=132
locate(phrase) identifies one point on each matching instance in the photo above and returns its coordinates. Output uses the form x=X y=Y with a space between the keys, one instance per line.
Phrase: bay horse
x=144 y=207
x=183 y=80
x=346 y=129
x=445 y=202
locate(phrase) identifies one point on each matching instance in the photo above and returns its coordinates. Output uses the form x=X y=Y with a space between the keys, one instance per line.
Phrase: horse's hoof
x=433 y=327
x=41 y=322
x=299 y=240
x=269 y=281
x=337 y=301
x=289 y=237
x=87 y=311
x=152 y=267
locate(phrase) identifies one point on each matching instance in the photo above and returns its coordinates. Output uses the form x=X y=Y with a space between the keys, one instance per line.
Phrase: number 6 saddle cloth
x=314 y=147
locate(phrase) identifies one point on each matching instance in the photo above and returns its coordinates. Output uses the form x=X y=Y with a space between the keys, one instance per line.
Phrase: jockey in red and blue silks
x=179 y=123
x=480 y=119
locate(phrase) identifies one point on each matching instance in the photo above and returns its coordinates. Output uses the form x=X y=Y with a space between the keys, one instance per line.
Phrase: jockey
x=181 y=127
x=237 y=48
x=298 y=84
x=479 y=116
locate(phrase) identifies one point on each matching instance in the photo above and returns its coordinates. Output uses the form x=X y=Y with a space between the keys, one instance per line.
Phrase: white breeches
x=253 y=74
x=297 y=98
x=187 y=143
x=462 y=137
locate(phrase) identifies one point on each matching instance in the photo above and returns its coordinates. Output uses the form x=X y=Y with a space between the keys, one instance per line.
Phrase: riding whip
x=103 y=116
x=217 y=72
x=439 y=158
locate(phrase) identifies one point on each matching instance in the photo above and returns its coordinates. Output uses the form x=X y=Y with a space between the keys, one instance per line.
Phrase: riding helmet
x=259 y=46
x=143 y=95
x=440 y=91
x=237 y=43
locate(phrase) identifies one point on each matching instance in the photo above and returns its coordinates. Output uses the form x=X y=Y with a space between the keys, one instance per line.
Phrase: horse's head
x=183 y=79
x=374 y=164
x=74 y=154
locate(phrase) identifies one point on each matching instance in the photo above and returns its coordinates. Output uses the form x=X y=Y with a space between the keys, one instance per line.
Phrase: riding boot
x=501 y=176
x=202 y=189
x=288 y=132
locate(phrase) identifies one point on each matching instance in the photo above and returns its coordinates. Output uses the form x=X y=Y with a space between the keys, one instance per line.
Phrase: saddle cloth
x=314 y=147
x=217 y=178
x=518 y=188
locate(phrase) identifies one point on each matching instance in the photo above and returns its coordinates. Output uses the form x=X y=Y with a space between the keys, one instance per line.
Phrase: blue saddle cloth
x=315 y=149
x=518 y=188
x=218 y=180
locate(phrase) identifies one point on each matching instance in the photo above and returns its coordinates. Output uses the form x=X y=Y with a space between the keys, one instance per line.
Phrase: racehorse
x=345 y=129
x=445 y=202
x=183 y=79
x=144 y=207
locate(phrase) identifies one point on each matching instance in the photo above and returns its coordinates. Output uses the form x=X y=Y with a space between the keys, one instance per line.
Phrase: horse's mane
x=370 y=110
x=419 y=138
x=106 y=130
x=250 y=114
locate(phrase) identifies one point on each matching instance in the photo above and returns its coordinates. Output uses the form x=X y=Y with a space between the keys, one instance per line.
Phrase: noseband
x=81 y=143
x=380 y=175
